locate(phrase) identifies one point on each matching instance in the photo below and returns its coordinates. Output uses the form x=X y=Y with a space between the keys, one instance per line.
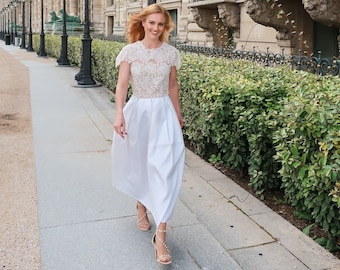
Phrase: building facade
x=292 y=25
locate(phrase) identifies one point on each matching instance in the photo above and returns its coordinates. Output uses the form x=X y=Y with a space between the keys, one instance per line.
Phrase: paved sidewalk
x=86 y=224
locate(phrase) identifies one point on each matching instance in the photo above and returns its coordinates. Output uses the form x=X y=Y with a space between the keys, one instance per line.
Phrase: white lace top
x=149 y=68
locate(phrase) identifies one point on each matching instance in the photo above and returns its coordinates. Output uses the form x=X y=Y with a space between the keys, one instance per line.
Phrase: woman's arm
x=174 y=94
x=120 y=97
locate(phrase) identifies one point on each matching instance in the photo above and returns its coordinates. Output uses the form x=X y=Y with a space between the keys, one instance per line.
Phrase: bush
x=103 y=56
x=230 y=106
x=308 y=148
x=280 y=125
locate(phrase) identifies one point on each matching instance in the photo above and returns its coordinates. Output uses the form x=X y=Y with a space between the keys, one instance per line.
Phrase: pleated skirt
x=148 y=163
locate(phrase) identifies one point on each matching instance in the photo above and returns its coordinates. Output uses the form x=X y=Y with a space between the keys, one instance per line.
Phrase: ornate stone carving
x=54 y=17
x=69 y=18
x=324 y=11
x=266 y=14
x=230 y=16
x=207 y=20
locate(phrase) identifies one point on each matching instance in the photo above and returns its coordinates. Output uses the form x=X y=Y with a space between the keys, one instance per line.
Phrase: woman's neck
x=151 y=44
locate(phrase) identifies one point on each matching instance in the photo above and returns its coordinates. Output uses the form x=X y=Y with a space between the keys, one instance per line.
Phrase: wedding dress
x=148 y=163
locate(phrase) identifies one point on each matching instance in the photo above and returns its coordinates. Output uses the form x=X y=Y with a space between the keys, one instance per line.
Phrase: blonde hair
x=135 y=29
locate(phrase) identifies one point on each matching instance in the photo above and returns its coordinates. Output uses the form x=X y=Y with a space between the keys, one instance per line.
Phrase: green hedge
x=103 y=56
x=230 y=103
x=308 y=148
x=280 y=127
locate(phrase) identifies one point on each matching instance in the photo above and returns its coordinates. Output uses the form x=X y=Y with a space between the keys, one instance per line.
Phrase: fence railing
x=313 y=64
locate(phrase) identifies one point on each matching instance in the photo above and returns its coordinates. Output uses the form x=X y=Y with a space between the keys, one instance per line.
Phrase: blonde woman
x=148 y=148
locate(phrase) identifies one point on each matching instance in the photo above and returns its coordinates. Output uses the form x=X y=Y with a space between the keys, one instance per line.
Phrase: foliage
x=308 y=148
x=232 y=108
x=329 y=243
x=336 y=193
x=282 y=126
x=74 y=50
x=103 y=56
x=53 y=45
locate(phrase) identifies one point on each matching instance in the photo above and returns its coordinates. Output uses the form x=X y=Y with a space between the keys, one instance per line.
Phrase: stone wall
x=288 y=25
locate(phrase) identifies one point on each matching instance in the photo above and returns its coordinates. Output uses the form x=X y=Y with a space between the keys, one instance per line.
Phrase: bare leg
x=162 y=252
x=142 y=218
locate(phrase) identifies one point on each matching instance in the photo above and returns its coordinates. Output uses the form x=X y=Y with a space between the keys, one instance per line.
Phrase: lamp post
x=1 y=23
x=5 y=23
x=15 y=20
x=84 y=76
x=11 y=24
x=42 y=51
x=23 y=41
x=30 y=40
x=63 y=59
x=8 y=22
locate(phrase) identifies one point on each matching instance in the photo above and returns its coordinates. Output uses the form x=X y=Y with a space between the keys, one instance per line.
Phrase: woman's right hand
x=119 y=126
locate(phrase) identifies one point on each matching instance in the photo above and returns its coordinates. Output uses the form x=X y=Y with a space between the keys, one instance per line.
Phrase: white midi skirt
x=148 y=163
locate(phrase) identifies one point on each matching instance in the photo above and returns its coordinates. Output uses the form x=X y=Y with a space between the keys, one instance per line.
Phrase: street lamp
x=30 y=40
x=3 y=27
x=5 y=23
x=23 y=41
x=84 y=76
x=11 y=24
x=15 y=20
x=8 y=36
x=42 y=51
x=63 y=60
x=1 y=23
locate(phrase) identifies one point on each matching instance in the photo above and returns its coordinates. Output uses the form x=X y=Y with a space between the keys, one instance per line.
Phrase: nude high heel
x=159 y=258
x=143 y=226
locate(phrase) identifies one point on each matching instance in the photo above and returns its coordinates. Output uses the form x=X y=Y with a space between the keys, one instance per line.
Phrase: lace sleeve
x=123 y=55
x=176 y=60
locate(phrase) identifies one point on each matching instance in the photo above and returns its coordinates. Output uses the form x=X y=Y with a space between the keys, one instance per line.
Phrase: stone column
x=73 y=8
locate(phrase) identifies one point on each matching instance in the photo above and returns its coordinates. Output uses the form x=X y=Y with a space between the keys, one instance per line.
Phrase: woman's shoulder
x=170 y=50
x=127 y=53
x=173 y=55
x=169 y=46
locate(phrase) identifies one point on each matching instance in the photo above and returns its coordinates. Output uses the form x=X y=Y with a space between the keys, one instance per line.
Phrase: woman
x=148 y=148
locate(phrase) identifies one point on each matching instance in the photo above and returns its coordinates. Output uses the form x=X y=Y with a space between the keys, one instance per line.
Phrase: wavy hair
x=135 y=29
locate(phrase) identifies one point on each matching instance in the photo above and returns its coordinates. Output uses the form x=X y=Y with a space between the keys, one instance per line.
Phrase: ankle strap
x=162 y=231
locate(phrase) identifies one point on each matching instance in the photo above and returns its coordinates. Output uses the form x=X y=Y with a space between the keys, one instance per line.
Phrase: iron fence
x=314 y=64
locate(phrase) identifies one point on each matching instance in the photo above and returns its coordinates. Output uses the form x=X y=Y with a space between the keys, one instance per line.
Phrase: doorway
x=325 y=40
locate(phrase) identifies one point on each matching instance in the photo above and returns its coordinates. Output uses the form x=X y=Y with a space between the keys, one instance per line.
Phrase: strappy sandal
x=143 y=226
x=159 y=258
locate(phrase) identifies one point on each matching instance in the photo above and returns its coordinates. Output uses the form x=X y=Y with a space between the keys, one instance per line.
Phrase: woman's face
x=154 y=25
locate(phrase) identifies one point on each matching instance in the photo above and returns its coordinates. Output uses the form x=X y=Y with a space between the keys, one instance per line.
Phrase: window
x=173 y=14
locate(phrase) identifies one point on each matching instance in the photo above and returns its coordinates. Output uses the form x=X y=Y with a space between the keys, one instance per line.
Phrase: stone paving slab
x=263 y=258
